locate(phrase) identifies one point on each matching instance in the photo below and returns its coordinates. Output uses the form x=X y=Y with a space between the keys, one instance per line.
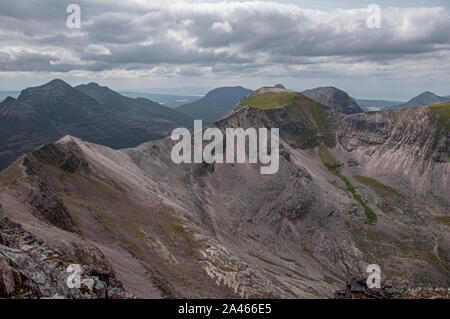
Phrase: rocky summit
x=335 y=99
x=351 y=190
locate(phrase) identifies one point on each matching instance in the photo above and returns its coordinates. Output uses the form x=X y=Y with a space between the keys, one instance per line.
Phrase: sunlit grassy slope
x=312 y=115
x=442 y=110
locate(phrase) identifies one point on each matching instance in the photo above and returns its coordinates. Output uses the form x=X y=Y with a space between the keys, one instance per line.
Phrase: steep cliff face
x=344 y=197
x=410 y=145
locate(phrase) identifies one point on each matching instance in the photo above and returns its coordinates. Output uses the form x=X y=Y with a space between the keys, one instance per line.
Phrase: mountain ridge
x=56 y=109
x=296 y=234
x=425 y=98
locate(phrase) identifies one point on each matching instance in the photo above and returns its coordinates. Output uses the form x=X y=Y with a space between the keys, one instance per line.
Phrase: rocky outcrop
x=29 y=268
x=335 y=99
x=356 y=288
x=409 y=144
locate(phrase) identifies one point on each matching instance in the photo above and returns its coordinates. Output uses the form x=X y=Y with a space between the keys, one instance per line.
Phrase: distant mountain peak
x=11 y=107
x=56 y=83
x=425 y=98
x=9 y=103
x=268 y=89
x=215 y=104
x=9 y=100
x=55 y=88
x=280 y=86
x=334 y=98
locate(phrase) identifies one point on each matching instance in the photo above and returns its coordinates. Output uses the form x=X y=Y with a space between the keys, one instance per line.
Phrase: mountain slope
x=214 y=104
x=22 y=129
x=425 y=98
x=334 y=98
x=135 y=107
x=377 y=194
x=101 y=116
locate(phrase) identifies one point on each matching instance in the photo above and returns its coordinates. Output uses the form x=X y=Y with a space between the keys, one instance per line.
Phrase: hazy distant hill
x=5 y=94
x=46 y=113
x=214 y=104
x=334 y=98
x=169 y=100
x=372 y=105
x=425 y=98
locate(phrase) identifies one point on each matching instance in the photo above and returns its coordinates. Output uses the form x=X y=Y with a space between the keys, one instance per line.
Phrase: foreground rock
x=29 y=268
x=351 y=190
x=356 y=288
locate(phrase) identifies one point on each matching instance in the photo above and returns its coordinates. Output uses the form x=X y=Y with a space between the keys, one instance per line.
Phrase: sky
x=145 y=44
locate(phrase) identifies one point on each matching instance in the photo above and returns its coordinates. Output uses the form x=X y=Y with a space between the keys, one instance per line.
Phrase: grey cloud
x=260 y=35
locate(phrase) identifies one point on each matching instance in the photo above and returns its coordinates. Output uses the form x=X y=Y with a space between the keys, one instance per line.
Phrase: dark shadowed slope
x=334 y=98
x=134 y=107
x=215 y=104
x=46 y=113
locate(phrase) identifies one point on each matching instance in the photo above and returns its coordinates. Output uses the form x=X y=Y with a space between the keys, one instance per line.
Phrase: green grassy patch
x=442 y=112
x=15 y=171
x=312 y=116
x=135 y=248
x=333 y=166
x=292 y=261
x=443 y=220
x=265 y=260
x=175 y=228
x=330 y=280
x=108 y=222
x=380 y=188
x=269 y=100
x=385 y=208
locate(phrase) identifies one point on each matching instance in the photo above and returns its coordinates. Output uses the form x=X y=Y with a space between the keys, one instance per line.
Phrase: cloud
x=95 y=49
x=225 y=38
x=222 y=27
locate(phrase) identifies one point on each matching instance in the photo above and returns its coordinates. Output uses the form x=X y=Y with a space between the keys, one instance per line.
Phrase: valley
x=351 y=190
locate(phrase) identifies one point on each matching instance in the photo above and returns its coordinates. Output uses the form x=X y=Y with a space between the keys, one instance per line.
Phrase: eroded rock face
x=356 y=288
x=403 y=144
x=51 y=208
x=225 y=230
x=30 y=268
